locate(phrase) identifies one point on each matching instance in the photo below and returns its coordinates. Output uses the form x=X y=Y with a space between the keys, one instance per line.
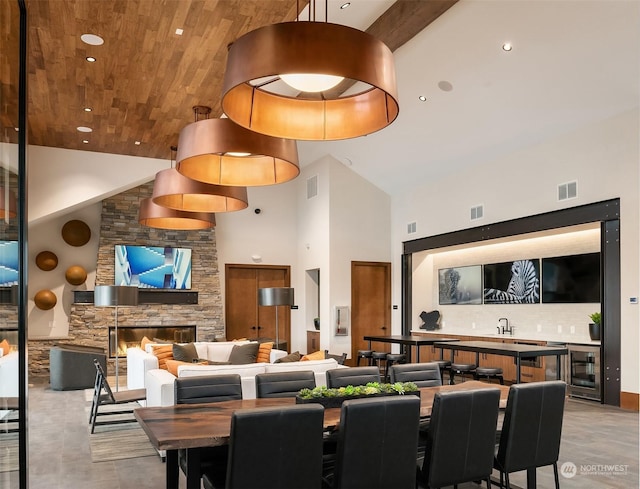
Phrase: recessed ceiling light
x=137 y=143
x=507 y=46
x=345 y=5
x=88 y=109
x=85 y=141
x=84 y=129
x=179 y=31
x=422 y=98
x=92 y=39
x=90 y=59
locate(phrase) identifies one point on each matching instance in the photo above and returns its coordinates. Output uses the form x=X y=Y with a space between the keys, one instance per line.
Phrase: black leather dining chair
x=377 y=443
x=342 y=377
x=284 y=384
x=461 y=438
x=273 y=448
x=205 y=389
x=532 y=429
x=421 y=374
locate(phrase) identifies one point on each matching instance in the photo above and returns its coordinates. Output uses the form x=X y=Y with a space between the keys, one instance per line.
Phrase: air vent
x=312 y=186
x=567 y=190
x=411 y=228
x=477 y=212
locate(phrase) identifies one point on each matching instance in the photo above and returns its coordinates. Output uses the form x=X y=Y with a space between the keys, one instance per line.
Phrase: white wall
x=46 y=236
x=603 y=158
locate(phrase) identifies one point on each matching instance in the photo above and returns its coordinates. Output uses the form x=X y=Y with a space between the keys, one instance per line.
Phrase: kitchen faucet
x=504 y=328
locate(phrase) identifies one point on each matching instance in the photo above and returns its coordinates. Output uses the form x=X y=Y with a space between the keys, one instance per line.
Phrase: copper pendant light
x=255 y=96
x=175 y=191
x=156 y=216
x=218 y=151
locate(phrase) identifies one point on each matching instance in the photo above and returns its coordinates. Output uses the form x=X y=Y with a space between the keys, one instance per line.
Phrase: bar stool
x=445 y=366
x=393 y=358
x=460 y=369
x=366 y=354
x=489 y=373
x=378 y=358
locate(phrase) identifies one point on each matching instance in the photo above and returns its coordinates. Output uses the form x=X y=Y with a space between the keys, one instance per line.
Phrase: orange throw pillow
x=164 y=353
x=264 y=352
x=144 y=342
x=317 y=355
x=6 y=347
x=172 y=366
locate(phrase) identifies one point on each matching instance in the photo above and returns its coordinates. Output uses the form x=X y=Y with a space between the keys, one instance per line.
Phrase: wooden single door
x=370 y=304
x=243 y=317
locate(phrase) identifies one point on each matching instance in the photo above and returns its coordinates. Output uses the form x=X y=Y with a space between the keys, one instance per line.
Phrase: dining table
x=519 y=351
x=408 y=340
x=192 y=426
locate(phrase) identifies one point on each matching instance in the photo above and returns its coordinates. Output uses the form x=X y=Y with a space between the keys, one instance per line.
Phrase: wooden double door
x=244 y=317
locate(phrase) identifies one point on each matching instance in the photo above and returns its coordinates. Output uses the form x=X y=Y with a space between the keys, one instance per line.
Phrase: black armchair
x=284 y=384
x=421 y=374
x=342 y=377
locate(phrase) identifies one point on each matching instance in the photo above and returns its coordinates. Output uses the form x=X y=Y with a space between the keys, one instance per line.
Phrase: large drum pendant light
x=218 y=151
x=255 y=96
x=156 y=216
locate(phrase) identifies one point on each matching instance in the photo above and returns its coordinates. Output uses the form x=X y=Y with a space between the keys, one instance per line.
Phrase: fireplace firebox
x=131 y=336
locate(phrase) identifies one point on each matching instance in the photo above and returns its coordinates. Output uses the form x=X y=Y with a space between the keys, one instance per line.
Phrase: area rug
x=125 y=441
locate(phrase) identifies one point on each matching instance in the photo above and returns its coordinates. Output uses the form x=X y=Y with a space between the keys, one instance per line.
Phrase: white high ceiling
x=573 y=63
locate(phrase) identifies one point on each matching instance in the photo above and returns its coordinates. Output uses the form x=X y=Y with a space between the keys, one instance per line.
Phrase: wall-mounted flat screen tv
x=8 y=263
x=153 y=267
x=571 y=279
x=516 y=282
x=460 y=285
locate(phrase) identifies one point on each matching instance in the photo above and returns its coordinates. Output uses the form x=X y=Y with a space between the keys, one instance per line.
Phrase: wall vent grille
x=411 y=227
x=567 y=190
x=477 y=212
x=312 y=187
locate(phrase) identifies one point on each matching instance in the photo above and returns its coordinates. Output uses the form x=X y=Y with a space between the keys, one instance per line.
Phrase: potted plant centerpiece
x=334 y=397
x=594 y=327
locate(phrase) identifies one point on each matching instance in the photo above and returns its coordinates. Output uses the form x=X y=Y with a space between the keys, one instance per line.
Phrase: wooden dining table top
x=201 y=425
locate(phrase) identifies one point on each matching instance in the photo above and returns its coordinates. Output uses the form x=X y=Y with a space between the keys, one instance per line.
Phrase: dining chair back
x=208 y=388
x=342 y=377
x=338 y=358
x=104 y=395
x=284 y=384
x=461 y=438
x=377 y=443
x=532 y=428
x=421 y=374
x=269 y=448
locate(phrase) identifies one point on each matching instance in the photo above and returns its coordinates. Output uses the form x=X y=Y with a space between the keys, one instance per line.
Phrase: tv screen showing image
x=153 y=267
x=516 y=282
x=460 y=285
x=571 y=279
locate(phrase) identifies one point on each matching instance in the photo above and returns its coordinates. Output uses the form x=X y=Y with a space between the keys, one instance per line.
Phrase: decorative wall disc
x=76 y=275
x=46 y=260
x=45 y=299
x=76 y=233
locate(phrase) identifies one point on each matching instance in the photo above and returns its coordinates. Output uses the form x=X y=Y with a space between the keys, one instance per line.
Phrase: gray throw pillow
x=291 y=357
x=185 y=353
x=243 y=354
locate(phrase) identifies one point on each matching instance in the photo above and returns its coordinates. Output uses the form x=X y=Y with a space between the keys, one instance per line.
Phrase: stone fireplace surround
x=89 y=325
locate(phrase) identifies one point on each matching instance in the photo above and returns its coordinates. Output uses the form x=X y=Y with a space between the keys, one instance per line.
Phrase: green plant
x=596 y=317
x=371 y=388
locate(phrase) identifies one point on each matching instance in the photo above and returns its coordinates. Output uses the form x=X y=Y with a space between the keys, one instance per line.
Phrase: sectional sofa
x=8 y=378
x=143 y=370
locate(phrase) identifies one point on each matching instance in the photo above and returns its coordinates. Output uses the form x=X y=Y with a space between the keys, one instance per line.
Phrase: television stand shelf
x=146 y=296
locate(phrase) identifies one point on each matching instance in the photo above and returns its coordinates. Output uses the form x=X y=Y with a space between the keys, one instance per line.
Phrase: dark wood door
x=243 y=317
x=370 y=304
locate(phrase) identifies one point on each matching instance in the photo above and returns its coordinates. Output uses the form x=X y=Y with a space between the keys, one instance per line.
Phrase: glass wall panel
x=12 y=441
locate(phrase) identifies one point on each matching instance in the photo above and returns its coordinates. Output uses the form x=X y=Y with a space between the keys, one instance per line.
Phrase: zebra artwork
x=523 y=288
x=449 y=286
x=460 y=285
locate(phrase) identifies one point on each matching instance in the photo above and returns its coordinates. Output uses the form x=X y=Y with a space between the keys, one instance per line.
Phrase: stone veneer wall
x=88 y=325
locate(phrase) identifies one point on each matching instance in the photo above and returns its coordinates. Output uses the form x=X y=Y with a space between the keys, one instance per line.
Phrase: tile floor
x=594 y=438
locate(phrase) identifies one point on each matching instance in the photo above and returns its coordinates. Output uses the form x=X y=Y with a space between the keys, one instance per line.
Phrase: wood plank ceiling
x=146 y=78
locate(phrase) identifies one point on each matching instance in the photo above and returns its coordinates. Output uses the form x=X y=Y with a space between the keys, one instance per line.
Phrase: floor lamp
x=115 y=296
x=275 y=296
